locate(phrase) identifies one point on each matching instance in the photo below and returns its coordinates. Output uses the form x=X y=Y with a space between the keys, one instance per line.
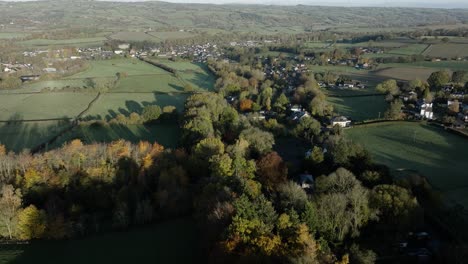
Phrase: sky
x=380 y=3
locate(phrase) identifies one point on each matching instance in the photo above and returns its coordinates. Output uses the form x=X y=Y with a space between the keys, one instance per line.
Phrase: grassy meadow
x=359 y=108
x=111 y=104
x=433 y=152
x=167 y=242
x=43 y=105
x=76 y=42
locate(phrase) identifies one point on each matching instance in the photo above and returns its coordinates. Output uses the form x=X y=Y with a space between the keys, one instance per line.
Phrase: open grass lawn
x=43 y=106
x=447 y=50
x=108 y=68
x=433 y=152
x=165 y=133
x=173 y=241
x=359 y=108
x=28 y=135
x=111 y=104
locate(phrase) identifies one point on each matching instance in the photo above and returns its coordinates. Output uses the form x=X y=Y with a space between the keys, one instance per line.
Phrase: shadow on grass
x=173 y=241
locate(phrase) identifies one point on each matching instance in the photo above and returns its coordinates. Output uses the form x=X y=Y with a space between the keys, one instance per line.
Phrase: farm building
x=27 y=78
x=50 y=70
x=341 y=121
x=426 y=110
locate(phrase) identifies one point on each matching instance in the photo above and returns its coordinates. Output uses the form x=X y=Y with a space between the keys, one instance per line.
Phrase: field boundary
x=43 y=146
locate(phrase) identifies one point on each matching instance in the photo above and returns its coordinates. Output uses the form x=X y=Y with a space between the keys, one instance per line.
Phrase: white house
x=118 y=52
x=341 y=121
x=50 y=70
x=426 y=111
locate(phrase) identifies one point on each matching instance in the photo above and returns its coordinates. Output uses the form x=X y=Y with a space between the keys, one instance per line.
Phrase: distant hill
x=40 y=15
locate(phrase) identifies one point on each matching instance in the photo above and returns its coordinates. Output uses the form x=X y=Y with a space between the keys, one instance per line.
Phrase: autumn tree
x=272 y=171
x=151 y=113
x=10 y=205
x=31 y=223
x=245 y=105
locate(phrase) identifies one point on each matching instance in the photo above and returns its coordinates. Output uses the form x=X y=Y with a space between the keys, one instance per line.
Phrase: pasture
x=359 y=108
x=164 y=83
x=109 y=68
x=195 y=74
x=43 y=105
x=174 y=241
x=447 y=50
x=111 y=104
x=412 y=49
x=433 y=152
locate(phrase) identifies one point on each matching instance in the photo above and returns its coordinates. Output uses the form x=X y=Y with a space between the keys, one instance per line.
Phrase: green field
x=164 y=83
x=413 y=49
x=144 y=85
x=77 y=42
x=28 y=135
x=165 y=133
x=447 y=50
x=405 y=73
x=359 y=108
x=168 y=242
x=109 y=105
x=12 y=35
x=108 y=68
x=43 y=106
x=433 y=152
x=195 y=74
x=436 y=65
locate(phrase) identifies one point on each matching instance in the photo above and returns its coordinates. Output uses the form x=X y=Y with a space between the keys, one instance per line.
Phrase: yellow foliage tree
x=31 y=178
x=31 y=223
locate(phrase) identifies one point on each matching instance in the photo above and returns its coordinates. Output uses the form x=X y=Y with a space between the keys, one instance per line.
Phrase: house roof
x=306 y=178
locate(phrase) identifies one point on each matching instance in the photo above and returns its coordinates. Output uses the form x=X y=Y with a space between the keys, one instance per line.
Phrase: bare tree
x=10 y=205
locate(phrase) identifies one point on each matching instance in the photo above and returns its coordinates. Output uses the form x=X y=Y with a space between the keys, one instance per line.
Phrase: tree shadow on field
x=133 y=106
x=177 y=87
x=18 y=135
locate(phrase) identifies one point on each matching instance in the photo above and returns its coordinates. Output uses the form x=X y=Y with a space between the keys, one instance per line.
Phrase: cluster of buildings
x=196 y=52
x=14 y=67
